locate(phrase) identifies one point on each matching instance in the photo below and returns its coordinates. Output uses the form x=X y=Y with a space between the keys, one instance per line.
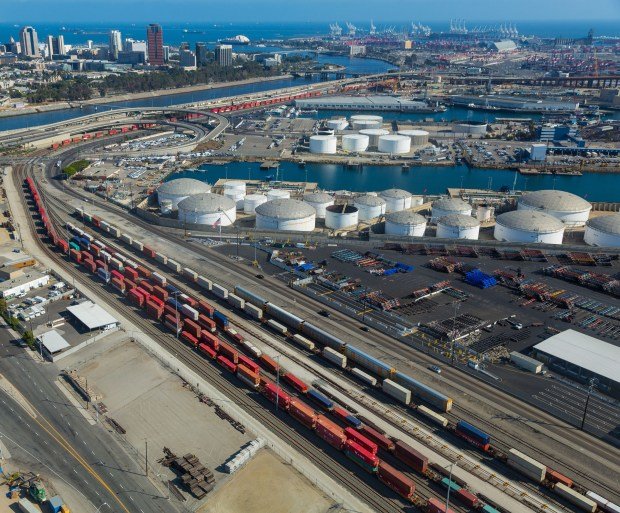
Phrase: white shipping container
x=137 y=245
x=253 y=311
x=192 y=275
x=366 y=378
x=104 y=226
x=303 y=341
x=204 y=282
x=126 y=238
x=122 y=258
x=190 y=312
x=435 y=417
x=236 y=301
x=526 y=465
x=161 y=280
x=115 y=263
x=276 y=326
x=253 y=350
x=115 y=231
x=131 y=263
x=603 y=503
x=397 y=391
x=105 y=256
x=219 y=291
x=575 y=498
x=161 y=258
x=526 y=363
x=335 y=357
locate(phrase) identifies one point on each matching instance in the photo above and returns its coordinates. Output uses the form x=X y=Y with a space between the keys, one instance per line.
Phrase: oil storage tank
x=470 y=128
x=396 y=199
x=528 y=226
x=394 y=144
x=179 y=189
x=339 y=217
x=319 y=201
x=458 y=226
x=355 y=142
x=251 y=201
x=418 y=137
x=365 y=121
x=568 y=208
x=337 y=124
x=278 y=194
x=446 y=206
x=325 y=144
x=603 y=231
x=286 y=215
x=369 y=206
x=208 y=209
x=405 y=223
x=373 y=136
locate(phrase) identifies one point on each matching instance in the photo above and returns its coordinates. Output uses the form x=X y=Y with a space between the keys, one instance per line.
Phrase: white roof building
x=92 y=316
x=53 y=343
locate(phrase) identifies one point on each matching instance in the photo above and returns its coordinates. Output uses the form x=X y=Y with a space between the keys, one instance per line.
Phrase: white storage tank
x=366 y=121
x=179 y=189
x=278 y=194
x=484 y=212
x=286 y=215
x=337 y=124
x=165 y=206
x=235 y=185
x=458 y=226
x=394 y=144
x=319 y=201
x=369 y=206
x=339 y=217
x=470 y=128
x=373 y=136
x=446 y=206
x=251 y=201
x=416 y=201
x=326 y=144
x=355 y=142
x=208 y=209
x=528 y=226
x=603 y=231
x=237 y=196
x=405 y=223
x=568 y=208
x=396 y=199
x=418 y=137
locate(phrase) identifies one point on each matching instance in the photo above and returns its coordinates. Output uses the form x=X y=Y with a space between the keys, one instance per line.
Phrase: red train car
x=360 y=439
x=253 y=366
x=302 y=412
x=396 y=480
x=295 y=382
x=226 y=363
x=330 y=432
x=381 y=440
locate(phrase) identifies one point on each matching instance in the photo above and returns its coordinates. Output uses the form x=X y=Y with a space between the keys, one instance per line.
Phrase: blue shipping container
x=220 y=319
x=472 y=431
x=320 y=399
x=489 y=509
x=104 y=275
x=172 y=289
x=353 y=421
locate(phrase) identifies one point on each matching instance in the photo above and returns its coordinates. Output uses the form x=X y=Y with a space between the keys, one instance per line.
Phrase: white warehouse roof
x=91 y=315
x=53 y=341
x=584 y=351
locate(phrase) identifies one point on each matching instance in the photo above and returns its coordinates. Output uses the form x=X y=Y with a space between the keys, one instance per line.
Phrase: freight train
x=234 y=107
x=562 y=485
x=98 y=134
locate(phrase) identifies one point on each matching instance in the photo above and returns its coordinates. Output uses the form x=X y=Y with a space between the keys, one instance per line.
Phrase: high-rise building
x=55 y=46
x=201 y=54
x=29 y=42
x=155 y=41
x=187 y=59
x=166 y=53
x=223 y=55
x=115 y=43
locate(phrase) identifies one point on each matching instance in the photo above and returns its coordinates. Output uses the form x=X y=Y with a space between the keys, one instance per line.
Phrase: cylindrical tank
x=396 y=199
x=484 y=212
x=470 y=128
x=319 y=201
x=278 y=194
x=446 y=206
x=568 y=208
x=366 y=121
x=369 y=206
x=179 y=189
x=326 y=144
x=235 y=185
x=237 y=196
x=528 y=226
x=339 y=217
x=373 y=136
x=458 y=226
x=251 y=201
x=405 y=223
x=394 y=144
x=207 y=209
x=418 y=137
x=165 y=206
x=337 y=124
x=416 y=201
x=286 y=215
x=355 y=142
x=603 y=231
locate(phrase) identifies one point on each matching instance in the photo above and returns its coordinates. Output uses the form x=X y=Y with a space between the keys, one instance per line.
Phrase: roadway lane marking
x=121 y=485
x=131 y=498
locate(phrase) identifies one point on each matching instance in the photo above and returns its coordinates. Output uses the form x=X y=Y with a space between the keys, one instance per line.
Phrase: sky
x=265 y=11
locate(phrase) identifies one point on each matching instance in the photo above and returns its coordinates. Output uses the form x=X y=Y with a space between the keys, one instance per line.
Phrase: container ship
x=237 y=40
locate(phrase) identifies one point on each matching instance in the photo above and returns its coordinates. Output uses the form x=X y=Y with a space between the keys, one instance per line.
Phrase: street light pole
x=593 y=382
x=449 y=488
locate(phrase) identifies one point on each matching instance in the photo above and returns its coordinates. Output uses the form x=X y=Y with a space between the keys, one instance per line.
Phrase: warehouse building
x=51 y=344
x=22 y=284
x=582 y=357
x=92 y=317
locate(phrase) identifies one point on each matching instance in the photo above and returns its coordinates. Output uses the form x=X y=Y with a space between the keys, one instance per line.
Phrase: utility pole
x=448 y=494
x=593 y=383
x=146 y=457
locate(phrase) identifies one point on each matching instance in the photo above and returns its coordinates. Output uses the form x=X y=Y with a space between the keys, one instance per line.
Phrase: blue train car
x=320 y=399
x=353 y=421
x=489 y=509
x=173 y=302
x=103 y=275
x=220 y=319
x=84 y=243
x=172 y=289
x=473 y=434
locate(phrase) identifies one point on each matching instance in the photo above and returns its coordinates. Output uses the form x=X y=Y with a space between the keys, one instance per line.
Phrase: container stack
x=479 y=279
x=195 y=476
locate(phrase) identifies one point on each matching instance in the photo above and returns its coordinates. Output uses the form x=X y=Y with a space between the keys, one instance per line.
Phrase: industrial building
x=92 y=317
x=285 y=215
x=538 y=152
x=582 y=357
x=368 y=103
x=51 y=344
x=565 y=206
x=513 y=103
x=446 y=206
x=24 y=283
x=208 y=209
x=405 y=223
x=458 y=226
x=319 y=201
x=528 y=226
x=169 y=194
x=603 y=231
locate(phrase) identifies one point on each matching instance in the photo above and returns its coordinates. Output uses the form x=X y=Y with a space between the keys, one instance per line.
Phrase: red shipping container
x=75 y=255
x=248 y=376
x=191 y=327
x=373 y=435
x=129 y=285
x=359 y=451
x=148 y=251
x=210 y=339
x=253 y=366
x=295 y=382
x=87 y=256
x=173 y=324
x=396 y=480
x=118 y=285
x=206 y=350
x=101 y=264
x=143 y=292
x=131 y=273
x=187 y=336
x=157 y=301
x=154 y=310
x=330 y=432
x=407 y=454
x=188 y=300
x=63 y=245
x=90 y=266
x=160 y=293
x=268 y=363
x=271 y=392
x=360 y=439
x=236 y=336
x=136 y=297
x=205 y=307
x=170 y=310
x=95 y=250
x=143 y=272
x=146 y=286
x=340 y=413
x=228 y=352
x=116 y=274
x=302 y=412
x=226 y=363
x=437 y=506
x=556 y=477
x=466 y=497
x=206 y=323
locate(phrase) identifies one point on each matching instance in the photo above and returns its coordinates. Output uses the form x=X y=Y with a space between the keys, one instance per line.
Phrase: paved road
x=63 y=443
